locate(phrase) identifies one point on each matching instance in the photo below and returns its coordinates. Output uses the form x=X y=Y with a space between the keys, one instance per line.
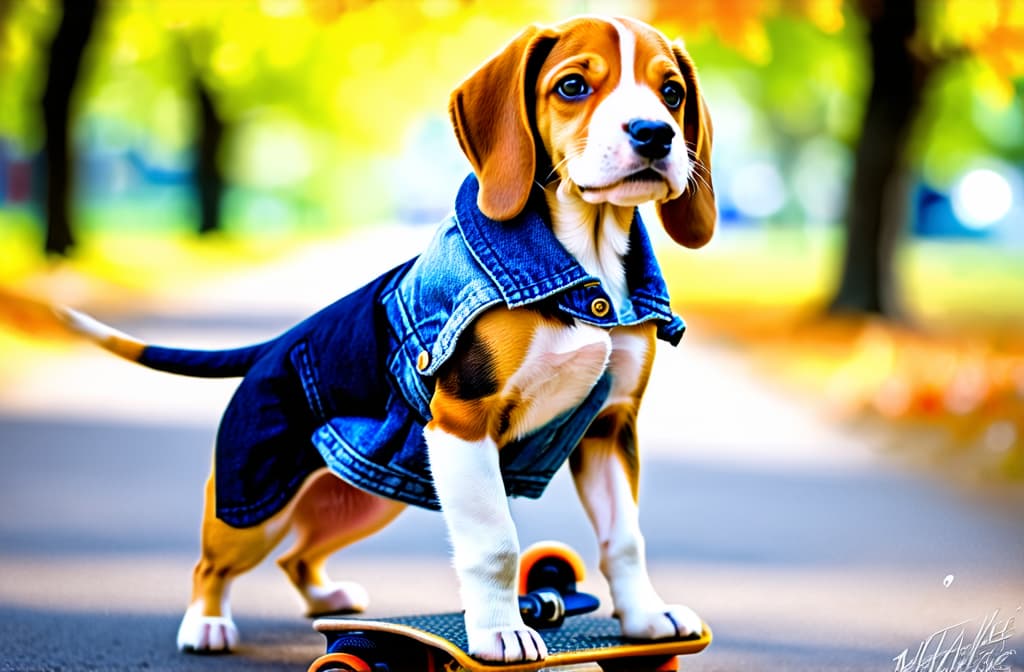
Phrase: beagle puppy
x=520 y=339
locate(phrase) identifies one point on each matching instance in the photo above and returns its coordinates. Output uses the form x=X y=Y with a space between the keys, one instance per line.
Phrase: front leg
x=605 y=471
x=513 y=371
x=605 y=468
x=485 y=546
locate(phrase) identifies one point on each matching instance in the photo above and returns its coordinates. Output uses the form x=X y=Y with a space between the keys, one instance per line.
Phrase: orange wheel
x=642 y=664
x=549 y=553
x=339 y=662
x=671 y=665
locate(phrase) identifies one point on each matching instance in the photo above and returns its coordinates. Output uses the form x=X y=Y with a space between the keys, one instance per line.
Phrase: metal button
x=423 y=360
x=600 y=307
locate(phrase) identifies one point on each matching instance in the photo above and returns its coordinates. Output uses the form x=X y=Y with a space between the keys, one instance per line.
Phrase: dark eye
x=672 y=94
x=573 y=87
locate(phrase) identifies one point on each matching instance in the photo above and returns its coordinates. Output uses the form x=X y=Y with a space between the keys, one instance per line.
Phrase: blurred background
x=868 y=160
x=834 y=457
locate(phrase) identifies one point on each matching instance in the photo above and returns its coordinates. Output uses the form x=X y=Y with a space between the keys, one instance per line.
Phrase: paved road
x=808 y=571
x=803 y=548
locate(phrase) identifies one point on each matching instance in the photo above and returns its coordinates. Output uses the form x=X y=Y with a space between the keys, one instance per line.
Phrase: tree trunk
x=209 y=179
x=65 y=61
x=876 y=208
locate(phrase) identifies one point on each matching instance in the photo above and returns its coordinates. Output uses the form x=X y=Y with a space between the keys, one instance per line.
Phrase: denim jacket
x=358 y=376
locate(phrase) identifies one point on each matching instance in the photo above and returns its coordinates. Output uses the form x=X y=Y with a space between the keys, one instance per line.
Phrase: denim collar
x=527 y=262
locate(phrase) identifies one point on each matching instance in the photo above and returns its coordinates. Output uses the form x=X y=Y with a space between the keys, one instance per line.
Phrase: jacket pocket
x=304 y=360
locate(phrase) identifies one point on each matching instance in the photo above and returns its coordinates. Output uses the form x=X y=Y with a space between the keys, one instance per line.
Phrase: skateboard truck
x=547 y=586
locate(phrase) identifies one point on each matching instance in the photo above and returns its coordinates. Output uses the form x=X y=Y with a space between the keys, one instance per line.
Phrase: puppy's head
x=609 y=106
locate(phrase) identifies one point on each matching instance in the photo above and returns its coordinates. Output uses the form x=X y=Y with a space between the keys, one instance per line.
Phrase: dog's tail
x=229 y=363
x=41 y=319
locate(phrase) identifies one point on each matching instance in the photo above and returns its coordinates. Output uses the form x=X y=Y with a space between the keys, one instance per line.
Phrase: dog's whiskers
x=698 y=174
x=574 y=152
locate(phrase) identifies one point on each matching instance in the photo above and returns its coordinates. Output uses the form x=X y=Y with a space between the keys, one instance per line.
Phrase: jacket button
x=423 y=360
x=600 y=307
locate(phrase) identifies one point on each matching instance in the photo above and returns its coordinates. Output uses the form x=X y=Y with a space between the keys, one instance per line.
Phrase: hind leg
x=227 y=552
x=329 y=515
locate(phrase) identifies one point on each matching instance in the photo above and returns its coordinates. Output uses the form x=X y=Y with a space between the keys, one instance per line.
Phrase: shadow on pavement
x=55 y=640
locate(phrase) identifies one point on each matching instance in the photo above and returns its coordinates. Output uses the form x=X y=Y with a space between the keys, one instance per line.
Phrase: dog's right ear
x=491 y=114
x=690 y=218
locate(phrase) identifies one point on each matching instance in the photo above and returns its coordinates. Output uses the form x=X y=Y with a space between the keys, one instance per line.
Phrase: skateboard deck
x=437 y=643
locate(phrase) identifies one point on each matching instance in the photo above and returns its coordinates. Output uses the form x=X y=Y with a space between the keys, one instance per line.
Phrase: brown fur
x=690 y=219
x=505 y=116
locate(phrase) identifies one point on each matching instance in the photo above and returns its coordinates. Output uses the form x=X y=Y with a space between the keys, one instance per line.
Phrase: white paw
x=661 y=623
x=507 y=645
x=336 y=597
x=206 y=634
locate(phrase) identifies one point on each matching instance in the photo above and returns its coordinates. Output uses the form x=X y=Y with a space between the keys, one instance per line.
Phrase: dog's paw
x=206 y=634
x=506 y=645
x=662 y=623
x=338 y=597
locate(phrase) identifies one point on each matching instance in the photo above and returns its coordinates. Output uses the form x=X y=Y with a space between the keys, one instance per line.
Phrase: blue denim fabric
x=348 y=375
x=330 y=365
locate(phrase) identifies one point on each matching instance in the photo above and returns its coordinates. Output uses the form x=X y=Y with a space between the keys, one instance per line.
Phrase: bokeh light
x=757 y=189
x=982 y=198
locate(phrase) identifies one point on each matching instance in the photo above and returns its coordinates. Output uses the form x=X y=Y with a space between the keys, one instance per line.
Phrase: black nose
x=650 y=139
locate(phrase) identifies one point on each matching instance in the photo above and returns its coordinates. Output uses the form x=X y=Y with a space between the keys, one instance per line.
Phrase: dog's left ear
x=491 y=115
x=690 y=218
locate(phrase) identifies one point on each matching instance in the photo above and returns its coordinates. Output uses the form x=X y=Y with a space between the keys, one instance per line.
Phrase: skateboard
x=548 y=602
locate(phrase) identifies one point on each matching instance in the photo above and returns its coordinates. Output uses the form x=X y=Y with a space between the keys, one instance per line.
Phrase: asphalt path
x=802 y=546
x=804 y=571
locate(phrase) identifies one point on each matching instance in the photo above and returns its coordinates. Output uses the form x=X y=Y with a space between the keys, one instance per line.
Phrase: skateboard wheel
x=550 y=564
x=340 y=662
x=641 y=664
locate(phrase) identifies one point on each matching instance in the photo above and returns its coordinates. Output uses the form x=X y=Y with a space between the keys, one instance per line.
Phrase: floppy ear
x=491 y=114
x=690 y=218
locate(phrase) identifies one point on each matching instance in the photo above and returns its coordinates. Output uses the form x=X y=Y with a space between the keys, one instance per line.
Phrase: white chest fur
x=598 y=236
